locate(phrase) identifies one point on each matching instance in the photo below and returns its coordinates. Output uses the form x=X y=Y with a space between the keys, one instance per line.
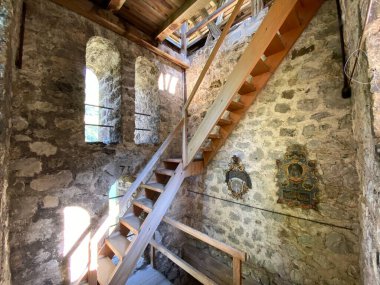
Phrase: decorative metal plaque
x=238 y=181
x=297 y=179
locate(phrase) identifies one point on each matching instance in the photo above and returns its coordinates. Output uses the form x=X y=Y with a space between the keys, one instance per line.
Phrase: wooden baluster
x=236 y=267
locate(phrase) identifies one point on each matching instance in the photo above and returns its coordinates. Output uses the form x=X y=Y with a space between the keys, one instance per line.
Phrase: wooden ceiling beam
x=211 y=17
x=115 y=5
x=88 y=10
x=187 y=10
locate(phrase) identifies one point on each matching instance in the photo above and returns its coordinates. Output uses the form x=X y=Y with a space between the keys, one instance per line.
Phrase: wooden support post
x=184 y=39
x=236 y=267
x=213 y=28
x=152 y=255
x=214 y=52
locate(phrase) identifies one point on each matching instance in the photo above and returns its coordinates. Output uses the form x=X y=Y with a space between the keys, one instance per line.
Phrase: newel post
x=236 y=267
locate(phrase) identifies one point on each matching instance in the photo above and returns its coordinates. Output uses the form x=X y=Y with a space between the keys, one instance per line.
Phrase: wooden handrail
x=147 y=229
x=149 y=166
x=252 y=54
x=205 y=238
x=183 y=264
x=213 y=53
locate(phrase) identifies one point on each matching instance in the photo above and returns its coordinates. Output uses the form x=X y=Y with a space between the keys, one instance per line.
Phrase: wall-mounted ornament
x=297 y=179
x=238 y=181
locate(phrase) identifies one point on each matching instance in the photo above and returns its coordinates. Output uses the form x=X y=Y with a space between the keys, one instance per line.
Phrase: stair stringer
x=261 y=41
x=151 y=223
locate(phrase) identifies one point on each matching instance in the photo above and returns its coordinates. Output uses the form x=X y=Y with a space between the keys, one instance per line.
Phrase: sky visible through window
x=92 y=113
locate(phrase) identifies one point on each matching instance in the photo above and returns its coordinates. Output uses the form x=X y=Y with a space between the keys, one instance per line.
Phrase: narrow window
x=102 y=100
x=147 y=102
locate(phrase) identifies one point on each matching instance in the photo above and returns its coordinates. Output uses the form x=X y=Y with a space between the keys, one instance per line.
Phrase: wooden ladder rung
x=224 y=122
x=235 y=106
x=293 y=21
x=275 y=46
x=260 y=68
x=246 y=88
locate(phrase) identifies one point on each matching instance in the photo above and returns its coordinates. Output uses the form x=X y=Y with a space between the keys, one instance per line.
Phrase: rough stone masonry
x=53 y=170
x=301 y=104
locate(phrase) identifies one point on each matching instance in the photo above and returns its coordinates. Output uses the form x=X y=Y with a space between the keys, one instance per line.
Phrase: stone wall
x=9 y=12
x=53 y=170
x=301 y=104
x=365 y=113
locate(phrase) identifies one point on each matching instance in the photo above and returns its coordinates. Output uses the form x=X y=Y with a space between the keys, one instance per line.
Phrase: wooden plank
x=259 y=43
x=275 y=46
x=158 y=187
x=132 y=222
x=259 y=68
x=195 y=168
x=236 y=271
x=201 y=236
x=115 y=5
x=235 y=106
x=212 y=27
x=105 y=270
x=184 y=39
x=260 y=81
x=211 y=17
x=201 y=260
x=118 y=244
x=149 y=167
x=186 y=11
x=205 y=238
x=138 y=245
x=184 y=265
x=213 y=54
x=292 y=22
x=87 y=10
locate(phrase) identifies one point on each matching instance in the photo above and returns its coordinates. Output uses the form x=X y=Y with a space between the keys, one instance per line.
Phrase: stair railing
x=186 y=159
x=253 y=53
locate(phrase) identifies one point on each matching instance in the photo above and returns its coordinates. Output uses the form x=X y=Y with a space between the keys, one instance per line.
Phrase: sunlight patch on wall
x=168 y=82
x=76 y=223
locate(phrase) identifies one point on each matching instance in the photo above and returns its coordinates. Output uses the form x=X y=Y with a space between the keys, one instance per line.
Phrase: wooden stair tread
x=207 y=148
x=147 y=276
x=224 y=122
x=260 y=68
x=214 y=136
x=292 y=22
x=165 y=171
x=275 y=46
x=235 y=106
x=144 y=203
x=158 y=187
x=246 y=88
x=173 y=160
x=105 y=270
x=132 y=222
x=118 y=244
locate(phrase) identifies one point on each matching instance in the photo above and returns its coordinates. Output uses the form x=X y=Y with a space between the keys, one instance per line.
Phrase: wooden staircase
x=284 y=23
x=115 y=261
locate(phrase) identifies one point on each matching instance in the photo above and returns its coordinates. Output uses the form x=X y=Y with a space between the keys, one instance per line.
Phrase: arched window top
x=102 y=56
x=102 y=101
